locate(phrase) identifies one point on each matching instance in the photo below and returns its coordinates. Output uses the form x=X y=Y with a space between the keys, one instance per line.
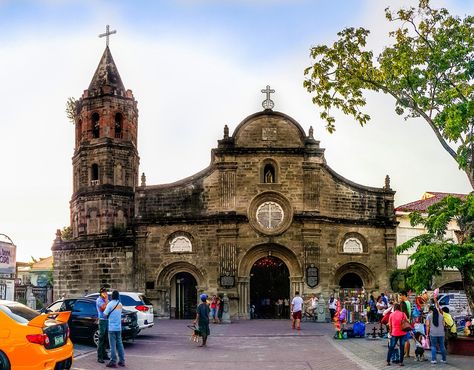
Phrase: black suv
x=84 y=321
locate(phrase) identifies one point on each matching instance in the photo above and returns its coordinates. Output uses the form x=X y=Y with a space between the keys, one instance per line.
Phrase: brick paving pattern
x=252 y=345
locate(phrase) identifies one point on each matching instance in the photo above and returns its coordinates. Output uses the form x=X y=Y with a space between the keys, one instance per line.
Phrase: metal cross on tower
x=107 y=34
x=268 y=103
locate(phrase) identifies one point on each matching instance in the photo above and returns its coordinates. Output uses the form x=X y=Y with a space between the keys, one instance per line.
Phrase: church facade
x=268 y=216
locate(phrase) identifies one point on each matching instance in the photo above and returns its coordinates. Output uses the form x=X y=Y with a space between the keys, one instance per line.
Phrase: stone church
x=266 y=218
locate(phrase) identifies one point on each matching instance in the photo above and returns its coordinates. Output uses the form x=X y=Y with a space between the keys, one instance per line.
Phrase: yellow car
x=30 y=340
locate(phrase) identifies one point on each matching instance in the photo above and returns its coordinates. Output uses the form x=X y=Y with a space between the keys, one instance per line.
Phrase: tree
x=428 y=70
x=66 y=233
x=434 y=253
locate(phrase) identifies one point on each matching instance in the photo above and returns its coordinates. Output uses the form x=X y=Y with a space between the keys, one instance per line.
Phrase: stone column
x=243 y=290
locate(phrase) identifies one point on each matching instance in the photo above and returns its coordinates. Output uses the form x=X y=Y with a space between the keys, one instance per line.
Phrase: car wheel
x=95 y=337
x=4 y=363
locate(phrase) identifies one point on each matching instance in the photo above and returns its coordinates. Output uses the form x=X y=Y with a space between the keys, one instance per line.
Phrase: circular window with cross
x=270 y=213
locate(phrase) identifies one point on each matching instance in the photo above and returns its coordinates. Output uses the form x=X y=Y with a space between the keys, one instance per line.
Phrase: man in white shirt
x=296 y=307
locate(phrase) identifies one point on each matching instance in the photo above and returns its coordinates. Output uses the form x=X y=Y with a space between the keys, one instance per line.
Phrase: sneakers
x=111 y=364
x=100 y=360
x=121 y=364
x=434 y=362
x=443 y=361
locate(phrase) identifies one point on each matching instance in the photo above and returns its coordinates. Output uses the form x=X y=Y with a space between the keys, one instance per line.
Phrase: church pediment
x=269 y=129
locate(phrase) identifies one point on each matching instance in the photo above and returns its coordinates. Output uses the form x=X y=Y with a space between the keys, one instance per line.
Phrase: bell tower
x=105 y=161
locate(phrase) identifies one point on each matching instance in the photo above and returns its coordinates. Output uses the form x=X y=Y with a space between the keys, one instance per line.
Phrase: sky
x=194 y=66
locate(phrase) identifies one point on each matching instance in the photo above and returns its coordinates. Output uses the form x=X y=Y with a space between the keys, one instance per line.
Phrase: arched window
x=95 y=174
x=269 y=171
x=118 y=125
x=95 y=125
x=269 y=174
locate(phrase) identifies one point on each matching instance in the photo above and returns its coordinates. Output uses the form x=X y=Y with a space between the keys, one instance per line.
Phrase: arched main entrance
x=269 y=283
x=185 y=295
x=351 y=280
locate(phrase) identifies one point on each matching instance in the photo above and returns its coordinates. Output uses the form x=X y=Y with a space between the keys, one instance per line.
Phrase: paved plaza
x=252 y=345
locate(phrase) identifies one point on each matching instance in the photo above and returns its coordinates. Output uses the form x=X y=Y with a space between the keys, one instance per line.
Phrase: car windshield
x=19 y=312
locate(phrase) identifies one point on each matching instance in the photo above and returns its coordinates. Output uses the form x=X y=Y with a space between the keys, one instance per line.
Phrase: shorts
x=297 y=315
x=213 y=312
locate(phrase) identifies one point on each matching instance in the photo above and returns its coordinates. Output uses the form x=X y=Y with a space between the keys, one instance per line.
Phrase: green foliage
x=434 y=252
x=66 y=233
x=398 y=280
x=428 y=70
x=71 y=111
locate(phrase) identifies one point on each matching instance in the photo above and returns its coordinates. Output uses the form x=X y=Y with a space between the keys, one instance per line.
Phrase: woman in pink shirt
x=396 y=332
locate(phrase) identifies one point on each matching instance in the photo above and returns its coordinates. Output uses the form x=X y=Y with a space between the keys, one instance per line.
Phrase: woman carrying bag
x=396 y=323
x=435 y=330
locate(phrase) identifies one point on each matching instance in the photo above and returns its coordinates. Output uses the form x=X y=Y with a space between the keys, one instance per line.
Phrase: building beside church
x=450 y=279
x=266 y=218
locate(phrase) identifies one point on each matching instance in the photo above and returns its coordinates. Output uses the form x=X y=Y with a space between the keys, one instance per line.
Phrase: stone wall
x=83 y=267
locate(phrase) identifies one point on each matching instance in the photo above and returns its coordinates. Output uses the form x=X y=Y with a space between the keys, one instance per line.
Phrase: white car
x=136 y=302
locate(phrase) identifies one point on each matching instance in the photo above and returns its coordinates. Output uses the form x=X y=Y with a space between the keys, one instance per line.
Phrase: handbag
x=405 y=325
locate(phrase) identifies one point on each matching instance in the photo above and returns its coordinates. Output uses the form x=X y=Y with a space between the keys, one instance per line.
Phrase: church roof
x=106 y=74
x=428 y=199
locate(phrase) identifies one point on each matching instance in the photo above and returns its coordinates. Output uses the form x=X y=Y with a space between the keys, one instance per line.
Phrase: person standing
x=220 y=309
x=202 y=319
x=405 y=305
x=113 y=311
x=332 y=305
x=372 y=309
x=380 y=307
x=214 y=309
x=101 y=304
x=435 y=329
x=396 y=332
x=296 y=308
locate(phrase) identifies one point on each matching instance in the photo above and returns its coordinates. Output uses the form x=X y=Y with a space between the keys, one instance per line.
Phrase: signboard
x=7 y=289
x=312 y=276
x=7 y=258
x=227 y=281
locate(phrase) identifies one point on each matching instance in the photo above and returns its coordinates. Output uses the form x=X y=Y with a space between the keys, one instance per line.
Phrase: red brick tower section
x=105 y=161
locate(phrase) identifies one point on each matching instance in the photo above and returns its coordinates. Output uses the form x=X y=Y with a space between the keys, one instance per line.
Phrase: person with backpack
x=450 y=329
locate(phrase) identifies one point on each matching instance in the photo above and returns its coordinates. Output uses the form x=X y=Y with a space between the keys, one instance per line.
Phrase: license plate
x=58 y=340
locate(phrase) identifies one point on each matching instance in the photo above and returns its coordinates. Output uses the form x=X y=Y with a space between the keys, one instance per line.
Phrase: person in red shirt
x=396 y=332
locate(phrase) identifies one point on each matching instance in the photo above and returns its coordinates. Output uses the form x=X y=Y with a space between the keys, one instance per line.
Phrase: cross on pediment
x=268 y=103
x=107 y=34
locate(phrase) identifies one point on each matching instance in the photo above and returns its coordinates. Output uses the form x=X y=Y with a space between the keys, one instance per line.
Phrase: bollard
x=321 y=309
x=226 y=313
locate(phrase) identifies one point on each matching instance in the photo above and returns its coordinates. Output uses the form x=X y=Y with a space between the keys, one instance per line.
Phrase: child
x=420 y=345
